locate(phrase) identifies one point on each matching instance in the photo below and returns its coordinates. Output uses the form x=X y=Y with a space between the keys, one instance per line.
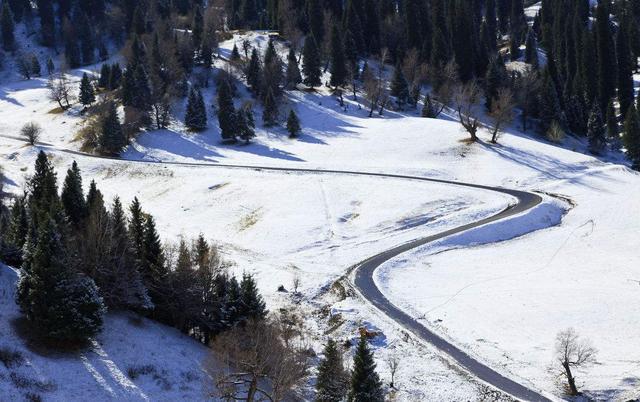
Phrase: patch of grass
x=10 y=357
x=57 y=110
x=249 y=220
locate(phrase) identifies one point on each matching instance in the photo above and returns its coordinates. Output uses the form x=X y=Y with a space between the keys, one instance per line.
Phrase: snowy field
x=504 y=302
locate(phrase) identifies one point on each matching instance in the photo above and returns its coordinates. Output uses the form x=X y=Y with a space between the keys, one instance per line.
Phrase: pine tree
x=311 y=68
x=606 y=61
x=36 y=68
x=112 y=138
x=235 y=54
x=105 y=73
x=196 y=116
x=531 y=52
x=613 y=134
x=254 y=72
x=115 y=77
x=18 y=224
x=251 y=302
x=43 y=188
x=270 y=110
x=365 y=383
x=51 y=68
x=293 y=124
x=60 y=304
x=136 y=229
x=315 y=19
x=494 y=81
x=625 y=67
x=338 y=63
x=72 y=196
x=596 y=131
x=428 y=109
x=333 y=380
x=548 y=104
x=292 y=76
x=226 y=113
x=631 y=137
x=246 y=124
x=7 y=24
x=197 y=28
x=400 y=87
x=87 y=93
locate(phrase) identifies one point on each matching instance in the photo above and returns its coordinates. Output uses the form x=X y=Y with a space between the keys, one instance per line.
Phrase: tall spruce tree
x=333 y=379
x=252 y=305
x=72 y=196
x=293 y=124
x=338 y=63
x=87 y=92
x=311 y=66
x=292 y=76
x=8 y=26
x=631 y=137
x=226 y=113
x=365 y=382
x=253 y=72
x=112 y=138
x=400 y=87
x=605 y=51
x=625 y=66
x=196 y=115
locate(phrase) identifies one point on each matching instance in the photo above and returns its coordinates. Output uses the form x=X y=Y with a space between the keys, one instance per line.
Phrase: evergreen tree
x=51 y=68
x=548 y=104
x=494 y=80
x=338 y=66
x=606 y=58
x=315 y=19
x=311 y=68
x=60 y=304
x=105 y=73
x=400 y=87
x=72 y=196
x=428 y=109
x=293 y=124
x=196 y=116
x=365 y=383
x=293 y=76
x=251 y=302
x=197 y=28
x=18 y=224
x=115 y=77
x=36 y=69
x=333 y=380
x=7 y=24
x=87 y=93
x=112 y=138
x=596 y=131
x=613 y=134
x=254 y=72
x=43 y=187
x=226 y=113
x=625 y=66
x=531 y=52
x=270 y=111
x=235 y=54
x=136 y=229
x=153 y=268
x=246 y=124
x=631 y=137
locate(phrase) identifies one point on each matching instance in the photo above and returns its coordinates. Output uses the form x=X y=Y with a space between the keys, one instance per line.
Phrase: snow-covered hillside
x=133 y=359
x=503 y=303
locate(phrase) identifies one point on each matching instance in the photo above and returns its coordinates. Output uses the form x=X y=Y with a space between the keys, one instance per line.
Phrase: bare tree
x=393 y=362
x=375 y=87
x=443 y=92
x=296 y=282
x=253 y=363
x=573 y=353
x=31 y=132
x=502 y=112
x=465 y=99
x=59 y=90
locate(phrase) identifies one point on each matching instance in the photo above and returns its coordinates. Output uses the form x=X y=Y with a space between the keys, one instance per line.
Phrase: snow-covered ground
x=132 y=359
x=503 y=303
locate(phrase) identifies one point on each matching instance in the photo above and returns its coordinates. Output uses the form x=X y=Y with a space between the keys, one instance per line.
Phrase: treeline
x=79 y=257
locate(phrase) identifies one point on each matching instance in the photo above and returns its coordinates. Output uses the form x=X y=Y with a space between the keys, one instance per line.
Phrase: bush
x=31 y=132
x=555 y=133
x=134 y=372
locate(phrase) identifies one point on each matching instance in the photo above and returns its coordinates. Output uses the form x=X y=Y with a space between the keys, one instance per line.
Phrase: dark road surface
x=364 y=271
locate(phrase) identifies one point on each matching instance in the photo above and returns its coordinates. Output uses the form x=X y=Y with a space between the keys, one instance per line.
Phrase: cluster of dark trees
x=79 y=256
x=581 y=85
x=335 y=383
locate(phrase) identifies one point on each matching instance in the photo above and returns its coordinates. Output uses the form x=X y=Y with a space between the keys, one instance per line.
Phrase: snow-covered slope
x=133 y=359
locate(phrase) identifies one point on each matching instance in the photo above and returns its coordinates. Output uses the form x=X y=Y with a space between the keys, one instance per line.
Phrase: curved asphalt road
x=364 y=271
